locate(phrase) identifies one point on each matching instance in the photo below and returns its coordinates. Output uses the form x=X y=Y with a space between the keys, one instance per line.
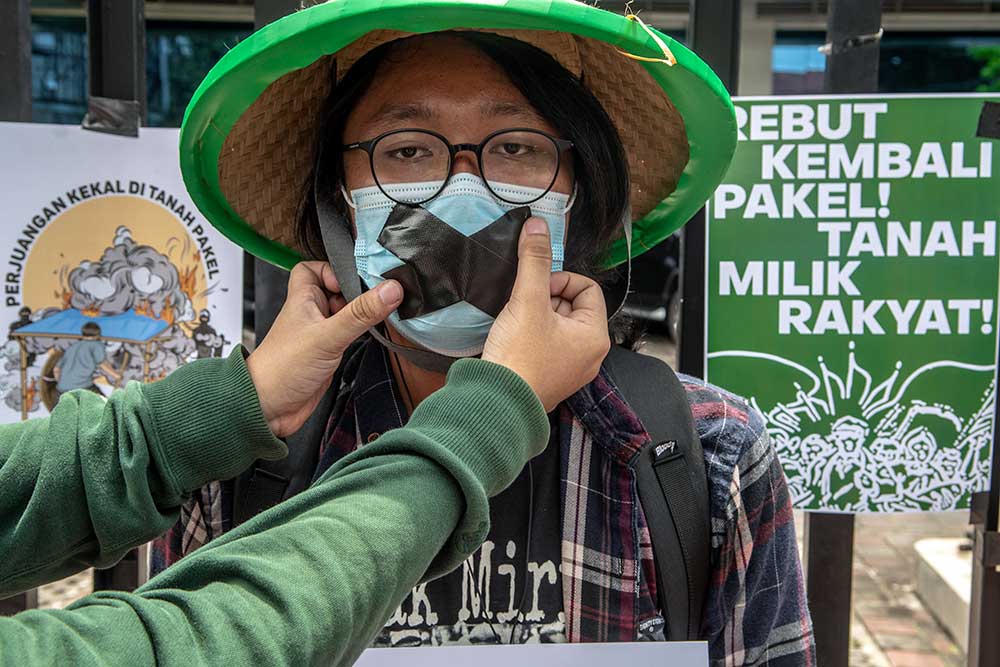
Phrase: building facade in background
x=929 y=46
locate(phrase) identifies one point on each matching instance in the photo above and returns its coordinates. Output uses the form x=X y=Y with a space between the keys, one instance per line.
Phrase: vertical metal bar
x=20 y=602
x=714 y=34
x=116 y=37
x=693 y=329
x=270 y=287
x=270 y=283
x=116 y=34
x=984 y=605
x=829 y=538
x=15 y=105
x=828 y=561
x=15 y=61
x=269 y=11
x=24 y=378
x=852 y=68
x=124 y=575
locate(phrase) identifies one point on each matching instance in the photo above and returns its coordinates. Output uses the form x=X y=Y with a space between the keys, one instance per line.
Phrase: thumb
x=534 y=263
x=360 y=315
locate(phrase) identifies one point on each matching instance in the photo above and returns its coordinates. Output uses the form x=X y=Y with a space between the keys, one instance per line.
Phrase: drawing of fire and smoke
x=128 y=276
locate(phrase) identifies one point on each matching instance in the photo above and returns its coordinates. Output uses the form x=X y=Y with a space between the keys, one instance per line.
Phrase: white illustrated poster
x=110 y=273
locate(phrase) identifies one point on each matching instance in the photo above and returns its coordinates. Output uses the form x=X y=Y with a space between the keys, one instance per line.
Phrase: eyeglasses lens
x=410 y=157
x=522 y=159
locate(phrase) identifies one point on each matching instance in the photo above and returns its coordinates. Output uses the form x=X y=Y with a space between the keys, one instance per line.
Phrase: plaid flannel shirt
x=755 y=612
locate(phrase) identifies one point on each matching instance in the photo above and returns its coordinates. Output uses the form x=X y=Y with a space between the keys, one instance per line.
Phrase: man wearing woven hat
x=412 y=141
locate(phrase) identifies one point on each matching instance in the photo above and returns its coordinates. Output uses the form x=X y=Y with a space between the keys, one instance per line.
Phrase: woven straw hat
x=248 y=135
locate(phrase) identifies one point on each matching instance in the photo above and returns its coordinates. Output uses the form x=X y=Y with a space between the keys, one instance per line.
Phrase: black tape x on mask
x=455 y=255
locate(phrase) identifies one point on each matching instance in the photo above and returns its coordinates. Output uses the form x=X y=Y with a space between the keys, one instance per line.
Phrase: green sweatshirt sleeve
x=311 y=581
x=99 y=477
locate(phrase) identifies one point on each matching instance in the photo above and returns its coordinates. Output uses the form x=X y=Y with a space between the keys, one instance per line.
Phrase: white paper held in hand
x=637 y=654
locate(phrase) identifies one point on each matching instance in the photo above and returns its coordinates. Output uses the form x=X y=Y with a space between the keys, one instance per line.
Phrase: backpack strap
x=267 y=483
x=672 y=485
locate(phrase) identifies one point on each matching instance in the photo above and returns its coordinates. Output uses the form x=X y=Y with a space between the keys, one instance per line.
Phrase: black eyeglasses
x=519 y=165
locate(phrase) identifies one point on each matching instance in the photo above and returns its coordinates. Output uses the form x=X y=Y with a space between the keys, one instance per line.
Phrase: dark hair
x=91 y=329
x=599 y=160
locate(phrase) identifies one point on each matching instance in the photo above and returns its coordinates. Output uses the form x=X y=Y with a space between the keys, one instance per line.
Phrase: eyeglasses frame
x=562 y=145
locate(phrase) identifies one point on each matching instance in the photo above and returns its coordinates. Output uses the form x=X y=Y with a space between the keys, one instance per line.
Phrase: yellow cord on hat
x=668 y=56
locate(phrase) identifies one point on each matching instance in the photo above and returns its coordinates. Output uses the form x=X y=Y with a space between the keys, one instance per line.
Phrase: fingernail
x=390 y=292
x=536 y=226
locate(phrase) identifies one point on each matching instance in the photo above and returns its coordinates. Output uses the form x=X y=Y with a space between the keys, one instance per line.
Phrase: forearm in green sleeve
x=311 y=580
x=96 y=478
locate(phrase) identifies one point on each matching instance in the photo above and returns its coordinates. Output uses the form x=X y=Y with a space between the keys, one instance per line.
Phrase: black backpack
x=670 y=475
x=673 y=487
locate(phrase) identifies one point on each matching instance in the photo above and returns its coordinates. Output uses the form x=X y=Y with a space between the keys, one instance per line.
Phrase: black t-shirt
x=494 y=587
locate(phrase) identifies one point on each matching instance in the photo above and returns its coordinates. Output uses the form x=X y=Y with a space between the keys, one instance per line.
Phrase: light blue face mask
x=468 y=206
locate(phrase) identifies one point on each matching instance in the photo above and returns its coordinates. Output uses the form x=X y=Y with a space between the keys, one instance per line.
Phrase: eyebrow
x=511 y=110
x=391 y=112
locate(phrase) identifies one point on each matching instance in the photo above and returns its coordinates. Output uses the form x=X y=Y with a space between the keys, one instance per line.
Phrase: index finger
x=582 y=293
x=308 y=274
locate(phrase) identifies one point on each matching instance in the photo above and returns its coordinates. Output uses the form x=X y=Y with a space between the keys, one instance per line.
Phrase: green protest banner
x=852 y=293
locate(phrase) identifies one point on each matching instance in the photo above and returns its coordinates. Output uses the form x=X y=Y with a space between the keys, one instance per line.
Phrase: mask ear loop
x=627 y=227
x=572 y=199
x=347 y=198
x=339 y=245
x=558 y=249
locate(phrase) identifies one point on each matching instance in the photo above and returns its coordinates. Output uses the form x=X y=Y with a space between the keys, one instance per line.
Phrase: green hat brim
x=300 y=39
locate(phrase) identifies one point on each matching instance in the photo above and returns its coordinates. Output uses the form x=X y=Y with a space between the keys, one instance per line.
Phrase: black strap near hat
x=339 y=243
x=673 y=487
